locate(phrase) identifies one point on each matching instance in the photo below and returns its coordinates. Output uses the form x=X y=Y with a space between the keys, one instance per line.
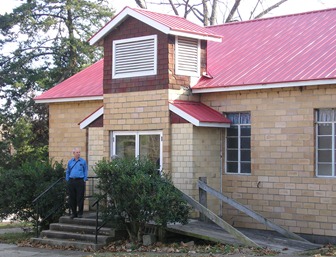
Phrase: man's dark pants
x=76 y=196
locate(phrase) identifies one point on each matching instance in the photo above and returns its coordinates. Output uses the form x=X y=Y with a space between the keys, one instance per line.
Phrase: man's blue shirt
x=76 y=169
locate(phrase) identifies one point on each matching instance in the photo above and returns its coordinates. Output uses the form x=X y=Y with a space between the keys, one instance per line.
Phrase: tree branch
x=270 y=9
x=141 y=3
x=173 y=7
x=233 y=10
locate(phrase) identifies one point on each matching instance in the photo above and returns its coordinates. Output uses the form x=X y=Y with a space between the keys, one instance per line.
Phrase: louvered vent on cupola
x=187 y=56
x=134 y=57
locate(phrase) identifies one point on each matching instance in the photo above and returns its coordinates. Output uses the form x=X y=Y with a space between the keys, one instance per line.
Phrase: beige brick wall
x=283 y=186
x=196 y=152
x=140 y=111
x=65 y=134
x=95 y=147
x=95 y=154
x=64 y=131
x=137 y=111
x=182 y=158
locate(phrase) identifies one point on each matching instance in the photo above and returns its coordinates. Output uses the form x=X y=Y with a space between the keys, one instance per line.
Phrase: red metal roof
x=177 y=23
x=290 y=48
x=169 y=24
x=198 y=113
x=85 y=84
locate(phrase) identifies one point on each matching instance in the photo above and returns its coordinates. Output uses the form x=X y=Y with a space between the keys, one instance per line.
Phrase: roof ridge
x=146 y=10
x=140 y=10
x=272 y=18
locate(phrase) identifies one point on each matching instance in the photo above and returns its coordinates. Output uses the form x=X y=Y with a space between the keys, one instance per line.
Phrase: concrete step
x=79 y=233
x=53 y=234
x=86 y=221
x=81 y=229
x=80 y=245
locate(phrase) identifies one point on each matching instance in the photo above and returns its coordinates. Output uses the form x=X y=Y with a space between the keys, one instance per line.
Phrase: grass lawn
x=13 y=232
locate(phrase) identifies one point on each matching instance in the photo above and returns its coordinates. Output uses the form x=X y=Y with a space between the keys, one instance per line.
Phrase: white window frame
x=179 y=60
x=128 y=43
x=239 y=136
x=137 y=135
x=333 y=146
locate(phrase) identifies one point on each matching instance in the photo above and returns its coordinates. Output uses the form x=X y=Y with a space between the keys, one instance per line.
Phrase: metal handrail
x=36 y=201
x=53 y=210
x=47 y=190
x=97 y=213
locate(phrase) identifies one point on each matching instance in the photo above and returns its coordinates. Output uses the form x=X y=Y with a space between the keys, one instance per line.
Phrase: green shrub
x=20 y=186
x=137 y=194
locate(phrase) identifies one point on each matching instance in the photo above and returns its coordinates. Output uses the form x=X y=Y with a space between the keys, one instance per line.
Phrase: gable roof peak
x=166 y=23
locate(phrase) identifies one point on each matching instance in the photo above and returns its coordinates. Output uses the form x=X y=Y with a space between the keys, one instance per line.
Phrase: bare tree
x=209 y=12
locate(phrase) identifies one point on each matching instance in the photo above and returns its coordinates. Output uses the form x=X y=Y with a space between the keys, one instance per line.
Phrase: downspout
x=221 y=171
x=87 y=145
x=88 y=165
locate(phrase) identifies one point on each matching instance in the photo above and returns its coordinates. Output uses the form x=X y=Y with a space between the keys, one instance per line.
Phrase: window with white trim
x=238 y=143
x=137 y=144
x=187 y=56
x=134 y=57
x=325 y=142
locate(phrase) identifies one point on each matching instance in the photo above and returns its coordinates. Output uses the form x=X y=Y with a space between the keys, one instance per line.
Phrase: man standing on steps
x=76 y=175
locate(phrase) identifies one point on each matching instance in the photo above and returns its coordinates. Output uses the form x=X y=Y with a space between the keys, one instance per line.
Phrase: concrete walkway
x=11 y=250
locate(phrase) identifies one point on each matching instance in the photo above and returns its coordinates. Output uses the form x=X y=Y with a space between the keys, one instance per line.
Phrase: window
x=238 y=143
x=187 y=56
x=134 y=57
x=325 y=142
x=138 y=144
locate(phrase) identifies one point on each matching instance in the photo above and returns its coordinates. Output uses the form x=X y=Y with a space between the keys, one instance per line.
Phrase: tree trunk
x=206 y=13
x=213 y=16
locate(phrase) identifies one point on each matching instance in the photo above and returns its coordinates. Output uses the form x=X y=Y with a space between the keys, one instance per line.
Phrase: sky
x=291 y=6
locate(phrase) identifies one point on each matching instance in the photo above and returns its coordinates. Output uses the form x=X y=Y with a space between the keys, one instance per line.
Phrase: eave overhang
x=71 y=99
x=199 y=114
x=215 y=89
